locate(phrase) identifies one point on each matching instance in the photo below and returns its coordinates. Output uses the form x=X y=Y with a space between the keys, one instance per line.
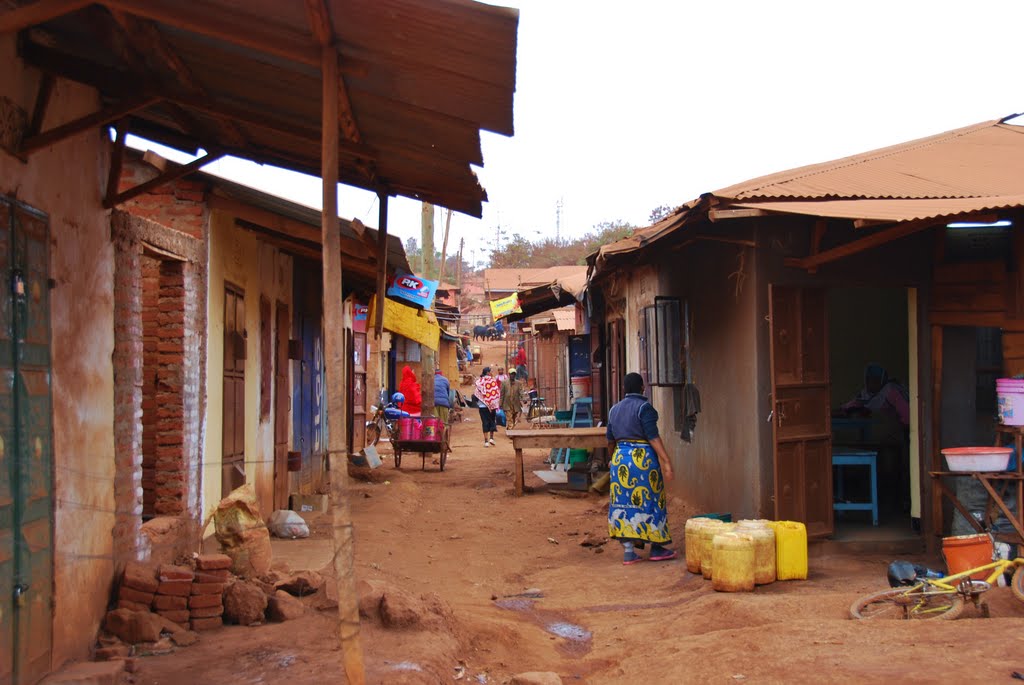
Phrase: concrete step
x=89 y=673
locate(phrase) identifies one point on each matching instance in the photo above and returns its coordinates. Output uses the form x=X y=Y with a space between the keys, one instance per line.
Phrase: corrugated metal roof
x=977 y=161
x=968 y=170
x=565 y=319
x=242 y=76
x=510 y=280
x=890 y=210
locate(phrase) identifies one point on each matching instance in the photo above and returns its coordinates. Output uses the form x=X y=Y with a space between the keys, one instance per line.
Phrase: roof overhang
x=559 y=293
x=238 y=78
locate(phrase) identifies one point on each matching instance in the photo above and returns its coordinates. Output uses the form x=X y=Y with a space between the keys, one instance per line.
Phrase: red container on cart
x=433 y=429
x=409 y=429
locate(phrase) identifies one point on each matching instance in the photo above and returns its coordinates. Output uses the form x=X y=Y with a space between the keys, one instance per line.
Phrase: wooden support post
x=164 y=178
x=427 y=380
x=444 y=246
x=519 y=476
x=337 y=383
x=382 y=264
x=116 y=161
x=42 y=102
x=931 y=538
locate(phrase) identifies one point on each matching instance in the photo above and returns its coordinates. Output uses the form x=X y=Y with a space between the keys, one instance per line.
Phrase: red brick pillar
x=171 y=465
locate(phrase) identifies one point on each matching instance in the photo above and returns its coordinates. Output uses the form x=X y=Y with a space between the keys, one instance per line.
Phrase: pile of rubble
x=161 y=607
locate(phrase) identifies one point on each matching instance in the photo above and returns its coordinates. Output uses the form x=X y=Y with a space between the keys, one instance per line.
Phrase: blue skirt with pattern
x=637 y=510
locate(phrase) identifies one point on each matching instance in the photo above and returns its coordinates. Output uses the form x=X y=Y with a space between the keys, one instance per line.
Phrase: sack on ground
x=284 y=523
x=242 y=534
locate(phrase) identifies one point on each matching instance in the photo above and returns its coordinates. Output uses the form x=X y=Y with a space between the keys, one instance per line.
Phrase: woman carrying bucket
x=640 y=468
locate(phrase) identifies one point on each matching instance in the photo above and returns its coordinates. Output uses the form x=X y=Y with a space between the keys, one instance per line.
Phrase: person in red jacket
x=410 y=387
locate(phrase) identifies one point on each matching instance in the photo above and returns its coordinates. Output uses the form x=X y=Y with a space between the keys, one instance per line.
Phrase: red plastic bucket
x=432 y=428
x=963 y=552
x=408 y=429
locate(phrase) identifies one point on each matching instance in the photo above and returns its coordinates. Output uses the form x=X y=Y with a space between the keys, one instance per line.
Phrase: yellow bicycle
x=942 y=598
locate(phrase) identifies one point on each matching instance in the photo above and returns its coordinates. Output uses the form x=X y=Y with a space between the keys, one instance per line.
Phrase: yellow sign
x=408 y=322
x=505 y=306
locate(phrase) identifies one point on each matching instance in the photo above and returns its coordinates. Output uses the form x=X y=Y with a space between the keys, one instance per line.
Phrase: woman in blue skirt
x=640 y=468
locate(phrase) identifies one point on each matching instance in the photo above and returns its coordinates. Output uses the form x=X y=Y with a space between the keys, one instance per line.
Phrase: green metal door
x=26 y=505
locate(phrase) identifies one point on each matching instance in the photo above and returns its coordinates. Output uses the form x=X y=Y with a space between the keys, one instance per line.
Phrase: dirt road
x=517 y=591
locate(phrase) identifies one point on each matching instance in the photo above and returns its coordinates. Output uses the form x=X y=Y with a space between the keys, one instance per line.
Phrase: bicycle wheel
x=372 y=434
x=1017 y=583
x=903 y=603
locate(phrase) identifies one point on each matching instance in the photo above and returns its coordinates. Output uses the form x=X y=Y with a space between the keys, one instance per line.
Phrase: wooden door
x=233 y=459
x=26 y=454
x=281 y=406
x=357 y=398
x=801 y=429
x=616 y=364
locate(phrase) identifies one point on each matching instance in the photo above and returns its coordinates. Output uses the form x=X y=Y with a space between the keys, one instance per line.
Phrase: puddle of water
x=405 y=666
x=569 y=631
x=515 y=604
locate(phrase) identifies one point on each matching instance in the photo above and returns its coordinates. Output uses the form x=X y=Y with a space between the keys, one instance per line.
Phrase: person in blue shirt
x=640 y=468
x=442 y=401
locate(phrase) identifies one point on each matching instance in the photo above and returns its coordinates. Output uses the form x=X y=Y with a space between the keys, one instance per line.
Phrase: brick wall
x=159 y=363
x=179 y=205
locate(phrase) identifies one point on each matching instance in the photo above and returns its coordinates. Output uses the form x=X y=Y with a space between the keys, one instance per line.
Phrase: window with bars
x=660 y=343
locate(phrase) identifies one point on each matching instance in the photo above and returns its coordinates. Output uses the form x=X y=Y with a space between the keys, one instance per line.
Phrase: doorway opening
x=872 y=365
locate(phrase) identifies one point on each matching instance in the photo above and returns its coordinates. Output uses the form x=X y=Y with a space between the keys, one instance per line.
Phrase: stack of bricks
x=173 y=593
x=192 y=599
x=206 y=604
x=138 y=587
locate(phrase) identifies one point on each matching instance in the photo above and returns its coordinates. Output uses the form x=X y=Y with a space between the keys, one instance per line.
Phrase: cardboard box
x=307 y=503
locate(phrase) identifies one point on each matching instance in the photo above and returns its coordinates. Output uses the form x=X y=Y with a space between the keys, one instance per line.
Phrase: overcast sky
x=624 y=106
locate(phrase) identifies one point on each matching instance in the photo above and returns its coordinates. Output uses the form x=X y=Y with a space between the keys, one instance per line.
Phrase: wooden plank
x=89 y=121
x=726 y=214
x=518 y=472
x=382 y=262
x=337 y=378
x=976 y=272
x=969 y=297
x=164 y=178
x=1015 y=521
x=853 y=247
x=37 y=13
x=976 y=319
x=1013 y=345
x=116 y=161
x=936 y=432
x=42 y=102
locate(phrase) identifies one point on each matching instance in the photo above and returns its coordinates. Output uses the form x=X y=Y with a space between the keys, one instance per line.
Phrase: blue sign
x=412 y=289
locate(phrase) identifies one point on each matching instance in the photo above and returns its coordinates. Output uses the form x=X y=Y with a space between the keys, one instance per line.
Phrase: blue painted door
x=26 y=525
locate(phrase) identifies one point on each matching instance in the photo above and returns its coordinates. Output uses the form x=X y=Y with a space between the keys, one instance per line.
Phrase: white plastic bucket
x=1010 y=401
x=581 y=388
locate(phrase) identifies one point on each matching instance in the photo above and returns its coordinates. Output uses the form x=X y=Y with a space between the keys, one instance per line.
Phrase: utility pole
x=427 y=241
x=458 y=278
x=444 y=245
x=558 y=222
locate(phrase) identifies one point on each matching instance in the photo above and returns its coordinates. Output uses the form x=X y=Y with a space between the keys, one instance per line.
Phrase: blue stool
x=846 y=457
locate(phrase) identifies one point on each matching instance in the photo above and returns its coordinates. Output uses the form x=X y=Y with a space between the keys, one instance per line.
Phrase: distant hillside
x=521 y=253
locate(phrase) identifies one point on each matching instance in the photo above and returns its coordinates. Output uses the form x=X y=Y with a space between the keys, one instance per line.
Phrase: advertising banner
x=505 y=306
x=412 y=289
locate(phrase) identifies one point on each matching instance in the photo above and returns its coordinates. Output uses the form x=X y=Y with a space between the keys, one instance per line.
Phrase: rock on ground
x=284 y=607
x=134 y=627
x=244 y=603
x=326 y=598
x=301 y=583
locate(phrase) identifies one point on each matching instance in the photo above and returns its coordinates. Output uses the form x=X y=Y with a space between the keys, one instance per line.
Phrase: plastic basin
x=977 y=458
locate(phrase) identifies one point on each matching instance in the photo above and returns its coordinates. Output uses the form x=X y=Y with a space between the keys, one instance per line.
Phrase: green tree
x=659 y=213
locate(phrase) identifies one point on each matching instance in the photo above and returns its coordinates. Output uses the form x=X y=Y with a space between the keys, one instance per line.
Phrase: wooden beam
x=166 y=177
x=937 y=517
x=147 y=41
x=320 y=22
x=382 y=263
x=116 y=161
x=38 y=13
x=337 y=378
x=42 y=102
x=95 y=120
x=725 y=214
x=901 y=230
x=229 y=26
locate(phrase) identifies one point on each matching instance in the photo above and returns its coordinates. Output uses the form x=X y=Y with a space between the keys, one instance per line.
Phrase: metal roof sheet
x=510 y=280
x=242 y=76
x=890 y=210
x=976 y=161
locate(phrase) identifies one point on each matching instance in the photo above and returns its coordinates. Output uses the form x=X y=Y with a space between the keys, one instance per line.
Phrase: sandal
x=662 y=554
x=630 y=558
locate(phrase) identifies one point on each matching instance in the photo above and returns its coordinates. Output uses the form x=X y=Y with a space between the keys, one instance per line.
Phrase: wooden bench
x=573 y=438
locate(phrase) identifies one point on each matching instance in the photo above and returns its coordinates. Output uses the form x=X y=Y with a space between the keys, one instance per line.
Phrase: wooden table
x=547 y=438
x=1013 y=479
